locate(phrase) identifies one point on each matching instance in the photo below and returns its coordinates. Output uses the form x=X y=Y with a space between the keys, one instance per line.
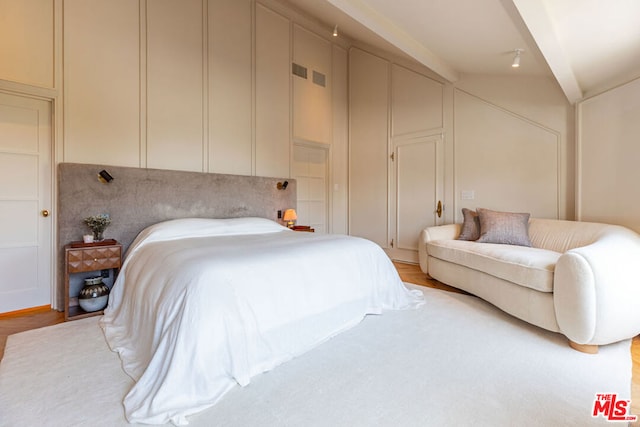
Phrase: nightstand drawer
x=91 y=259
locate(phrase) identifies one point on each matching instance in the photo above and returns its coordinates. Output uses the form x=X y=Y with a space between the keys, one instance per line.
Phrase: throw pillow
x=470 y=225
x=504 y=227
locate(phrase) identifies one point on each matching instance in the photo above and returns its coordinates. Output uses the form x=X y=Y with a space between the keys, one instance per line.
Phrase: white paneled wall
x=102 y=82
x=230 y=86
x=396 y=156
x=416 y=103
x=368 y=146
x=609 y=149
x=504 y=161
x=522 y=129
x=175 y=85
x=273 y=64
x=502 y=143
x=26 y=49
x=311 y=100
x=340 y=147
x=202 y=85
x=207 y=85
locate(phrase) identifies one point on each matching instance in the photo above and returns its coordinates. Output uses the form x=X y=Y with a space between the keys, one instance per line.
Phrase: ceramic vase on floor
x=94 y=295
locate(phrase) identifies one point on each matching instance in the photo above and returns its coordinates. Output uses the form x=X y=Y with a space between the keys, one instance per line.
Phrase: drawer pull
x=95 y=259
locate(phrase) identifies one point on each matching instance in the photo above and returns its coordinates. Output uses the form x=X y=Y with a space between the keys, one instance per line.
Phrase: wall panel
x=101 y=82
x=416 y=102
x=504 y=161
x=368 y=154
x=608 y=154
x=272 y=99
x=175 y=90
x=230 y=86
x=27 y=42
x=312 y=99
x=340 y=147
x=539 y=101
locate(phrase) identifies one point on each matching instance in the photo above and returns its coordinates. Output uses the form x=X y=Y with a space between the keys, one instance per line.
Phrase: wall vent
x=299 y=70
x=319 y=78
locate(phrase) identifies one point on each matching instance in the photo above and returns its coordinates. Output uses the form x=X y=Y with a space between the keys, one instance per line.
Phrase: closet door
x=310 y=168
x=417 y=191
x=368 y=147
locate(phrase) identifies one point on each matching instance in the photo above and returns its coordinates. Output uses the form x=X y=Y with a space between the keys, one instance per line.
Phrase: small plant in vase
x=97 y=224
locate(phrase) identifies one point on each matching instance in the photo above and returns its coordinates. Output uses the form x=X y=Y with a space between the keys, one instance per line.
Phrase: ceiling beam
x=541 y=27
x=386 y=29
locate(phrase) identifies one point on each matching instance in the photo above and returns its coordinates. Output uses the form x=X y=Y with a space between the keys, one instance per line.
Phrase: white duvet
x=202 y=305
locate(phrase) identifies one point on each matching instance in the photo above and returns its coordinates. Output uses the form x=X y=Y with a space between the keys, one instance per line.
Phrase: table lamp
x=290 y=217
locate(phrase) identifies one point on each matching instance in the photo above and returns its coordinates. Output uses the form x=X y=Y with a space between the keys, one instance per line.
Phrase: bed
x=202 y=305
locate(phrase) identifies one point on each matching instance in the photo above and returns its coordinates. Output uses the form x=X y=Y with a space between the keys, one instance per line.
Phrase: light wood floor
x=19 y=322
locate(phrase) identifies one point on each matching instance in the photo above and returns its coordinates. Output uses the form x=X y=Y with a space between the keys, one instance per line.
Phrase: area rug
x=456 y=361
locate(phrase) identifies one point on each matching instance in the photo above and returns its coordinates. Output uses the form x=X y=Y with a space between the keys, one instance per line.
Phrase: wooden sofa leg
x=584 y=348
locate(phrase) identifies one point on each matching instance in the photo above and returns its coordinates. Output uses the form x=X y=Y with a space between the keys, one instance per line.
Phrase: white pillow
x=185 y=228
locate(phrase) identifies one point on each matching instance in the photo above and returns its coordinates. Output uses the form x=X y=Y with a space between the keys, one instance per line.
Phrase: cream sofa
x=580 y=279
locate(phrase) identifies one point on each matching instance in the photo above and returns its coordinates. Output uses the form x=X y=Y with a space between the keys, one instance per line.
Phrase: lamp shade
x=290 y=215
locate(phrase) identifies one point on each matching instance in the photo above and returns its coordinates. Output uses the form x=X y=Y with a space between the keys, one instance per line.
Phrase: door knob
x=45 y=213
x=439 y=209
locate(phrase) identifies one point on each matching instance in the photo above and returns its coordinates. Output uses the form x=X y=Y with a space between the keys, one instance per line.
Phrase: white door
x=25 y=203
x=310 y=169
x=418 y=186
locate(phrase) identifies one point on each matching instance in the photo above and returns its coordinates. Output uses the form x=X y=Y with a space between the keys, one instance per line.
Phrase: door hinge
x=393 y=157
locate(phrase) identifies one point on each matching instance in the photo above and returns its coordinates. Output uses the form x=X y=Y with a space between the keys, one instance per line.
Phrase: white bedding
x=202 y=305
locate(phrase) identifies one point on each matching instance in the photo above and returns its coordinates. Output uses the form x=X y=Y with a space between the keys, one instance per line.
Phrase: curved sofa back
x=561 y=236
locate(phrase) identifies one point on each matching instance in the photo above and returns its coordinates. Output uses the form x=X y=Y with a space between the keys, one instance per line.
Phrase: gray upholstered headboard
x=137 y=198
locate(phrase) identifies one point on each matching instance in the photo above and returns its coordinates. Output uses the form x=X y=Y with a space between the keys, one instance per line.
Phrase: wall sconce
x=282 y=185
x=104 y=177
x=290 y=217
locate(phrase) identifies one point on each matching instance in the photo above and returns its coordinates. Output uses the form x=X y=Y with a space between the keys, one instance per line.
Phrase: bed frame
x=137 y=198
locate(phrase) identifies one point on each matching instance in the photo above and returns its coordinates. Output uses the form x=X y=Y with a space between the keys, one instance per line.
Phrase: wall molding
x=557 y=140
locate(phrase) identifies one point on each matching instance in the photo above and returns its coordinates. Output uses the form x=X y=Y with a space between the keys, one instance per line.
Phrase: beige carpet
x=457 y=361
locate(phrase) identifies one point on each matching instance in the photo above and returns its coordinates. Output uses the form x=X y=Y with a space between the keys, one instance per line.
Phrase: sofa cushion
x=470 y=225
x=561 y=236
x=504 y=227
x=529 y=267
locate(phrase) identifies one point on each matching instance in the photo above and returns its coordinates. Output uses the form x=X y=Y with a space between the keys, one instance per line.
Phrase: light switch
x=467 y=195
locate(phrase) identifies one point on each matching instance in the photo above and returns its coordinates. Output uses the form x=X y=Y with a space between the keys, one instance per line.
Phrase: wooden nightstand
x=81 y=258
x=306 y=228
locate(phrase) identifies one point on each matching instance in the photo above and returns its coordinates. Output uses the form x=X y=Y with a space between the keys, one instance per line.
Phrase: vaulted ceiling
x=588 y=46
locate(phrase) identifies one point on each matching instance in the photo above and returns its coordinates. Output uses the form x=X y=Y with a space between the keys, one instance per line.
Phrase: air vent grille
x=319 y=78
x=299 y=70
